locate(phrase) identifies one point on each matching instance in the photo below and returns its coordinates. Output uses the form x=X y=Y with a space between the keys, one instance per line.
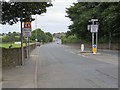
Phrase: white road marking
x=36 y=71
x=72 y=52
x=81 y=55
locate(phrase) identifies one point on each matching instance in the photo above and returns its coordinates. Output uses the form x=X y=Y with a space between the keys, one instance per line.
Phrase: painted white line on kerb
x=35 y=86
x=36 y=71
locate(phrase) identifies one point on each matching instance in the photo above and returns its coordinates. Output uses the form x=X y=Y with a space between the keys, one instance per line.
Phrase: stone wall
x=12 y=56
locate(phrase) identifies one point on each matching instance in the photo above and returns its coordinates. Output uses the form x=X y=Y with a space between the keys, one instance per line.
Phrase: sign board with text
x=94 y=28
x=27 y=29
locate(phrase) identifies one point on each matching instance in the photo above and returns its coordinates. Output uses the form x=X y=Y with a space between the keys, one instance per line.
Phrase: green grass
x=17 y=36
x=6 y=45
x=2 y=36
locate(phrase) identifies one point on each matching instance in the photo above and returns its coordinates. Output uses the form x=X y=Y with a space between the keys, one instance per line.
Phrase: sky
x=53 y=20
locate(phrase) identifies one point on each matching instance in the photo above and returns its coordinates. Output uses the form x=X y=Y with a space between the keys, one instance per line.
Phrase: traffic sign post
x=27 y=29
x=93 y=27
x=27 y=34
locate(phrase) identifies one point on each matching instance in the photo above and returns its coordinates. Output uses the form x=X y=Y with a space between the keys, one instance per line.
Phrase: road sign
x=26 y=33
x=94 y=28
x=88 y=27
x=27 y=24
x=94 y=20
x=27 y=29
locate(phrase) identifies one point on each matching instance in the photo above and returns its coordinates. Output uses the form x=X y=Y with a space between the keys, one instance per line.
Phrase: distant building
x=4 y=34
x=58 y=35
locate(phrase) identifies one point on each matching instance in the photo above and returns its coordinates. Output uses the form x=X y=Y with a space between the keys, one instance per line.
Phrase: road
x=58 y=66
x=63 y=67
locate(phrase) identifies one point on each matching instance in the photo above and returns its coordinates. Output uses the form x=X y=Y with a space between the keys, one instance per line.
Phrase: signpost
x=27 y=29
x=93 y=27
x=27 y=34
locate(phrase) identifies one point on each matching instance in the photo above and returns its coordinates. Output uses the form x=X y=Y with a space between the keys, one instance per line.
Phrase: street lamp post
x=36 y=31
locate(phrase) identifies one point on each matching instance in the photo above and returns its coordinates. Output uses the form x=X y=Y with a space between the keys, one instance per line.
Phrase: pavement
x=59 y=66
x=22 y=76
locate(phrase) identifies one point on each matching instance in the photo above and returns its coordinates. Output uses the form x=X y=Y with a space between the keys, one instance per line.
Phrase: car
x=38 y=44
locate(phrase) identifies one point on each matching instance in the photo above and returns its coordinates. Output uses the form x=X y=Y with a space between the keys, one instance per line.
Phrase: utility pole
x=21 y=42
x=36 y=31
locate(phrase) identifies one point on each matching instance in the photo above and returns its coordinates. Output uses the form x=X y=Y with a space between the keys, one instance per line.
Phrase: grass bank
x=6 y=45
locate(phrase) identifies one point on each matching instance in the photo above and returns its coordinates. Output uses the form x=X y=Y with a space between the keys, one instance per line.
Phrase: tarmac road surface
x=58 y=66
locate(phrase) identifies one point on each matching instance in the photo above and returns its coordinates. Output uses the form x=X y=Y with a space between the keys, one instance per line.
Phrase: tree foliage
x=108 y=14
x=11 y=37
x=41 y=36
x=12 y=11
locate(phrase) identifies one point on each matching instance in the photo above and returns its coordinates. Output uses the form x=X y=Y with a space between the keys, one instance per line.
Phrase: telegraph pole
x=36 y=31
x=21 y=41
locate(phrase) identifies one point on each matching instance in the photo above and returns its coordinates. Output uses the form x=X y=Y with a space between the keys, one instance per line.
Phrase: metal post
x=110 y=40
x=92 y=40
x=28 y=47
x=96 y=40
x=21 y=44
x=36 y=29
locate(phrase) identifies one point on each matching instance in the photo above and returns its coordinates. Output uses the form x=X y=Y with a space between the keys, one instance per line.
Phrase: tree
x=49 y=37
x=12 y=11
x=45 y=37
x=107 y=12
x=40 y=35
x=11 y=37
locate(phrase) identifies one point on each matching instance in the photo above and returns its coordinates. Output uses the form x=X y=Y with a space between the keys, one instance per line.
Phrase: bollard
x=94 y=49
x=82 y=47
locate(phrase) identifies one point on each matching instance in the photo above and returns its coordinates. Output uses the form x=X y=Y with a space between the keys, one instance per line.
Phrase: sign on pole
x=94 y=28
x=27 y=29
x=89 y=27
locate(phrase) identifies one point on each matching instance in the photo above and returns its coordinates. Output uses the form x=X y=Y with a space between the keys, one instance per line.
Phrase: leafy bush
x=70 y=39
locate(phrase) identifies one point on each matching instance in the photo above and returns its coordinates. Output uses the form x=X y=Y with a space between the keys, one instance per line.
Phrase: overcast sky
x=53 y=21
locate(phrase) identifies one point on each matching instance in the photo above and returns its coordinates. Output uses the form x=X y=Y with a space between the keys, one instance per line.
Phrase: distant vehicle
x=38 y=44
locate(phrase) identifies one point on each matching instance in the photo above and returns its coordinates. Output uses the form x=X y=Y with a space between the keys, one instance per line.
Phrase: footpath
x=22 y=76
